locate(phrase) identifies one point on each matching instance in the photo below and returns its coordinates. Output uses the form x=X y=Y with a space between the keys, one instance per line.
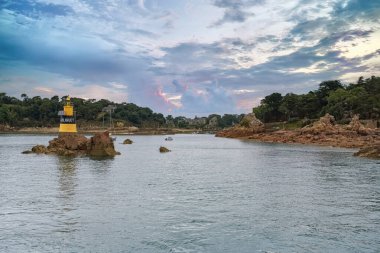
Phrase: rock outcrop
x=250 y=121
x=369 y=152
x=68 y=144
x=324 y=132
x=164 y=149
x=75 y=144
x=101 y=145
x=248 y=126
x=325 y=124
x=39 y=149
x=127 y=141
x=357 y=126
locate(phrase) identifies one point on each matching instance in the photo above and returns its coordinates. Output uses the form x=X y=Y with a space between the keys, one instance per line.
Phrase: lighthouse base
x=68 y=128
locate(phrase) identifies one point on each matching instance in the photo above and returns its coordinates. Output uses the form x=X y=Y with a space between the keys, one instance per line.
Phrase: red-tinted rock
x=369 y=152
x=101 y=144
x=70 y=142
x=76 y=144
x=248 y=126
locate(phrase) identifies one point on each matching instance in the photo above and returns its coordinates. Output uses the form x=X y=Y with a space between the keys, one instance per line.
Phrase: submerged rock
x=369 y=152
x=164 y=149
x=127 y=141
x=75 y=144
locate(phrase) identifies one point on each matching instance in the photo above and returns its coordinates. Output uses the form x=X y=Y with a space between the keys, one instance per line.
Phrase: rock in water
x=101 y=144
x=69 y=141
x=369 y=152
x=127 y=141
x=164 y=150
x=39 y=149
x=75 y=144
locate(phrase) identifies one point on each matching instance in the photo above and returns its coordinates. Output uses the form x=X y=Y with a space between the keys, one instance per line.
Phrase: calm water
x=208 y=195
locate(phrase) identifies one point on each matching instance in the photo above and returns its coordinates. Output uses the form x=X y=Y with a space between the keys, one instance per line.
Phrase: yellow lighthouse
x=67 y=121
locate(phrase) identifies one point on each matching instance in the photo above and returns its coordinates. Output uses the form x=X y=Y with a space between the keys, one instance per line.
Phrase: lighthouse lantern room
x=68 y=120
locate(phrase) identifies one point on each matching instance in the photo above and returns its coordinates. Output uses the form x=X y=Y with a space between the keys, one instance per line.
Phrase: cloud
x=168 y=57
x=35 y=9
x=235 y=11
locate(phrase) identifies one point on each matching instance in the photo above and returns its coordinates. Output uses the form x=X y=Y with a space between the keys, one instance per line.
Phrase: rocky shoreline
x=323 y=132
x=116 y=131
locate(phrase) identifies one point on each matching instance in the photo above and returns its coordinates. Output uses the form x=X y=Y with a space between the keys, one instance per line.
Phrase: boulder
x=250 y=121
x=248 y=126
x=369 y=152
x=164 y=149
x=69 y=141
x=39 y=149
x=101 y=144
x=75 y=144
x=325 y=124
x=127 y=141
x=356 y=126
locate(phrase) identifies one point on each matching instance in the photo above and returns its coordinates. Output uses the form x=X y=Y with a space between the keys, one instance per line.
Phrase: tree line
x=43 y=112
x=333 y=97
x=340 y=100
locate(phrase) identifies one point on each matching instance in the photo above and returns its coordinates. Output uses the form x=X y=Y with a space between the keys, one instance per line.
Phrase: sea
x=207 y=195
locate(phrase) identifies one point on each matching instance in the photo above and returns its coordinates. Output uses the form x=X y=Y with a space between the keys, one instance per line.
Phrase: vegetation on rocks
x=325 y=132
x=333 y=97
x=42 y=112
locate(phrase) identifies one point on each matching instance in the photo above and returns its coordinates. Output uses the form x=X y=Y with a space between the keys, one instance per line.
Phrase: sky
x=185 y=57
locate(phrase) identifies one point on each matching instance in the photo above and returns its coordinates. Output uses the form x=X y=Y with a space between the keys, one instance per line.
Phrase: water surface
x=207 y=195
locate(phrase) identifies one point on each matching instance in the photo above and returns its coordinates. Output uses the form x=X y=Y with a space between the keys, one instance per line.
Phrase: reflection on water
x=67 y=168
x=101 y=165
x=67 y=184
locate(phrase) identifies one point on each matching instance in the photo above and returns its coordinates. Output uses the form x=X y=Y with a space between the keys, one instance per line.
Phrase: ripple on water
x=207 y=195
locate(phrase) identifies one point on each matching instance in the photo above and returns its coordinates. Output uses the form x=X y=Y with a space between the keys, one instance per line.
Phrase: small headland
x=324 y=132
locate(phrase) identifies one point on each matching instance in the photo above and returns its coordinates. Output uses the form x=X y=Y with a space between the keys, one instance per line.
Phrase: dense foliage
x=341 y=101
x=38 y=112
